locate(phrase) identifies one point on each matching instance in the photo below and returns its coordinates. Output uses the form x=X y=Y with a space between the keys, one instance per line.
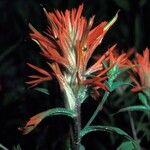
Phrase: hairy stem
x=99 y=108
x=77 y=126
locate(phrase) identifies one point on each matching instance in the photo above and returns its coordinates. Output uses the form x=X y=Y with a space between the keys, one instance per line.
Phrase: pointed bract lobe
x=37 y=79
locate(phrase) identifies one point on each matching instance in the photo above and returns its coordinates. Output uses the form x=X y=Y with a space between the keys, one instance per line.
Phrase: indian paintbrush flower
x=142 y=71
x=69 y=43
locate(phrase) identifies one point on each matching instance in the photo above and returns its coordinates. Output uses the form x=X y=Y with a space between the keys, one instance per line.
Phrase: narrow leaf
x=42 y=90
x=134 y=108
x=35 y=120
x=3 y=147
x=18 y=147
x=143 y=99
x=110 y=129
x=103 y=128
x=128 y=145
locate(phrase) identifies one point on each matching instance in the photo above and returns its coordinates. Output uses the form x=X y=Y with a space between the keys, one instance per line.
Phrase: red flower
x=122 y=59
x=142 y=70
x=70 y=42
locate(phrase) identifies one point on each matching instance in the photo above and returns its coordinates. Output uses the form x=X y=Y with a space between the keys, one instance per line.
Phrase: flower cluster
x=69 y=43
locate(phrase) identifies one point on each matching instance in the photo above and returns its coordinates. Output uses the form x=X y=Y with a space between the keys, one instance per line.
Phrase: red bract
x=37 y=79
x=70 y=42
x=121 y=59
x=142 y=70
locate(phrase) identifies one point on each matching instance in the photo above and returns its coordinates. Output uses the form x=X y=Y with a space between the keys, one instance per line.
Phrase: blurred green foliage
x=18 y=102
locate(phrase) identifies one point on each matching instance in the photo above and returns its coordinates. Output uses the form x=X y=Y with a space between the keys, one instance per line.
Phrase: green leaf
x=35 y=120
x=102 y=128
x=42 y=90
x=128 y=145
x=18 y=147
x=2 y=147
x=143 y=99
x=110 y=129
x=134 y=108
x=83 y=93
x=114 y=72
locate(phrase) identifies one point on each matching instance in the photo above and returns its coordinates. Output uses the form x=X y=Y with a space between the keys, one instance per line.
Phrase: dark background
x=18 y=102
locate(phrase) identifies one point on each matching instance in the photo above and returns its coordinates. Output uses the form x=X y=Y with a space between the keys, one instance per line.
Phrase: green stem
x=133 y=127
x=77 y=126
x=99 y=108
x=140 y=121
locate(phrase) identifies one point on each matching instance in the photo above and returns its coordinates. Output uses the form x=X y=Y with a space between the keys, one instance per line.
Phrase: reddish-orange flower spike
x=70 y=42
x=120 y=59
x=142 y=69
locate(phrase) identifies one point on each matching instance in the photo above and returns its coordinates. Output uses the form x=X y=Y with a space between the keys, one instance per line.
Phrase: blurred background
x=18 y=102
